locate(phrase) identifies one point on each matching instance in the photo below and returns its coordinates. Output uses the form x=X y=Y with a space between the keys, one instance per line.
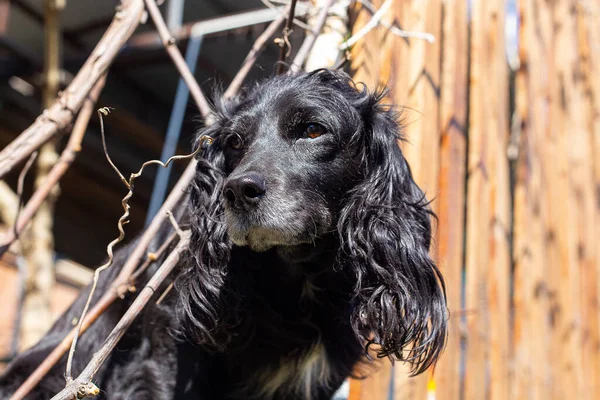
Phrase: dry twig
x=20 y=185
x=82 y=386
x=150 y=258
x=284 y=41
x=373 y=22
x=9 y=203
x=391 y=27
x=310 y=39
x=174 y=223
x=123 y=278
x=170 y=45
x=59 y=169
x=285 y=13
x=257 y=48
x=129 y=183
x=62 y=111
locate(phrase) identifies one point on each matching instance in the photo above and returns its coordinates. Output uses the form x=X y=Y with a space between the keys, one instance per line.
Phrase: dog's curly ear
x=201 y=282
x=385 y=227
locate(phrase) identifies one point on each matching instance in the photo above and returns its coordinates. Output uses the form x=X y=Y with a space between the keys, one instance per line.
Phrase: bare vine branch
x=296 y=21
x=174 y=223
x=170 y=45
x=82 y=386
x=20 y=185
x=59 y=169
x=99 y=308
x=284 y=41
x=150 y=258
x=125 y=277
x=252 y=56
x=61 y=113
x=395 y=30
x=122 y=221
x=310 y=39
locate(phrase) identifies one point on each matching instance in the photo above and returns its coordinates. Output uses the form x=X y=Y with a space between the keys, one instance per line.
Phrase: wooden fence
x=512 y=158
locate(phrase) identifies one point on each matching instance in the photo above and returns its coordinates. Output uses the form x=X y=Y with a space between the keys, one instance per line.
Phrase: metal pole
x=173 y=130
x=174 y=14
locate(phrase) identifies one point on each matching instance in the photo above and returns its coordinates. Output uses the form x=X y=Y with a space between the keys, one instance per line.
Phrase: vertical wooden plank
x=416 y=87
x=452 y=179
x=375 y=387
x=563 y=148
x=591 y=21
x=586 y=19
x=581 y=167
x=488 y=207
x=411 y=68
x=531 y=375
x=371 y=64
x=371 y=56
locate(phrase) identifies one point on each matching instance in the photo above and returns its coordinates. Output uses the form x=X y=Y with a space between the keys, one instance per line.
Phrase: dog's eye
x=314 y=130
x=235 y=142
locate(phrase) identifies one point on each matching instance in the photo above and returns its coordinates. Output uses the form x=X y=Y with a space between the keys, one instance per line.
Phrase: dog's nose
x=244 y=192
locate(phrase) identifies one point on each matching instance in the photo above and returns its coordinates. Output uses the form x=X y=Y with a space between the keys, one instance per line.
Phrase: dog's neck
x=287 y=265
x=307 y=253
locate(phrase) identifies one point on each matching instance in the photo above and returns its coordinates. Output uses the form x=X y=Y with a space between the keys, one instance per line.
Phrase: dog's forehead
x=276 y=100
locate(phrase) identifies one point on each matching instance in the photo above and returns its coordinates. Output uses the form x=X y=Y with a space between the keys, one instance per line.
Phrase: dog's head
x=290 y=151
x=296 y=159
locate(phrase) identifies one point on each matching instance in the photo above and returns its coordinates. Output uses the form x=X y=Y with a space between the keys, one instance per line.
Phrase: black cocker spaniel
x=309 y=255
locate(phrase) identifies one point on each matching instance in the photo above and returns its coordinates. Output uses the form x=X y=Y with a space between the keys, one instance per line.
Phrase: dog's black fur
x=309 y=248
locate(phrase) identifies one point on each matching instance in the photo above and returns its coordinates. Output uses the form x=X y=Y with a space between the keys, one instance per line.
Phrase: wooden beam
x=568 y=148
x=67 y=271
